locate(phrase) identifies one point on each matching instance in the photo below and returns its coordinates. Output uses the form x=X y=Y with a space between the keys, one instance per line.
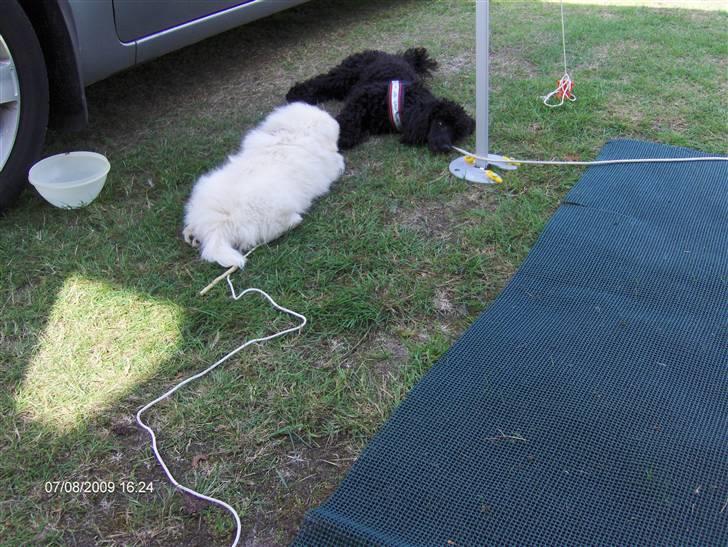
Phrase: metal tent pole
x=476 y=172
x=482 y=68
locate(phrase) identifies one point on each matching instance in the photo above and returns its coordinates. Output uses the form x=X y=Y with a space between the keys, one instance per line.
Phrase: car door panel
x=136 y=19
x=165 y=41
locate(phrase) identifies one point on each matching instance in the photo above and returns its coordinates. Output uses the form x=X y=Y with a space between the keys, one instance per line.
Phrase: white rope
x=565 y=85
x=598 y=162
x=563 y=35
x=146 y=407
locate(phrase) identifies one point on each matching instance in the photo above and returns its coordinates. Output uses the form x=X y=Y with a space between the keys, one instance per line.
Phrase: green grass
x=99 y=310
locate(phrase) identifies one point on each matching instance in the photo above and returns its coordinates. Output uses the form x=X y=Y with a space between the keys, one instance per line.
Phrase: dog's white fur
x=285 y=163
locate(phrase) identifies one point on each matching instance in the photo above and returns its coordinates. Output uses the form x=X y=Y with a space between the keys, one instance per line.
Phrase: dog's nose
x=440 y=147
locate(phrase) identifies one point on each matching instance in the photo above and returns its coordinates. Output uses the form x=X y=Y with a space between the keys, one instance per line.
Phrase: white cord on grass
x=565 y=85
x=564 y=89
x=597 y=162
x=146 y=407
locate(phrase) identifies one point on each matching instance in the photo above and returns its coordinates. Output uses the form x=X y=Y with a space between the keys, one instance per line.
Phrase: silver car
x=50 y=50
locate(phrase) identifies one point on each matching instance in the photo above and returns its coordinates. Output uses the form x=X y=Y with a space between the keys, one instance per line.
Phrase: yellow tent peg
x=492 y=175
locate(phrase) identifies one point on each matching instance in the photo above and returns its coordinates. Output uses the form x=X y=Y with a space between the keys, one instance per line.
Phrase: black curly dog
x=363 y=81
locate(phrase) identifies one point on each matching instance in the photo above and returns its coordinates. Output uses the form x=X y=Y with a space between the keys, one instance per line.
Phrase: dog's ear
x=453 y=115
x=468 y=126
x=419 y=59
x=418 y=124
x=448 y=124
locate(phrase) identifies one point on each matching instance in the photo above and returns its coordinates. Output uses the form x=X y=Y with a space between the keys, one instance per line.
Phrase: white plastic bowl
x=70 y=180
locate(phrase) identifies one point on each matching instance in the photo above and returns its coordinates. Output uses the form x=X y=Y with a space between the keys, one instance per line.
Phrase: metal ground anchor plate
x=472 y=173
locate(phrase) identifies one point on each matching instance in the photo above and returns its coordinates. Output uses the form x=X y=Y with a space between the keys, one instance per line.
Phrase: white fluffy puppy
x=261 y=191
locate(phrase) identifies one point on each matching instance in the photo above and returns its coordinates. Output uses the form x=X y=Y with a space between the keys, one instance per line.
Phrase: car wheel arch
x=55 y=29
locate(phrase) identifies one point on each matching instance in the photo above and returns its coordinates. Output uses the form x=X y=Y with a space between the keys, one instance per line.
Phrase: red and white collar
x=395 y=103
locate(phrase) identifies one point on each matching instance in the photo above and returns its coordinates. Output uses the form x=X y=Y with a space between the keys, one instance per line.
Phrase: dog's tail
x=420 y=60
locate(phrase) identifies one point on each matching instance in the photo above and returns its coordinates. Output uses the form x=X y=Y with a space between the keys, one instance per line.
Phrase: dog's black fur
x=362 y=80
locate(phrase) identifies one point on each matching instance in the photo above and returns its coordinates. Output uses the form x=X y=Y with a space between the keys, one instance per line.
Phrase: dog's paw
x=223 y=253
x=230 y=260
x=341 y=167
x=189 y=237
x=294 y=220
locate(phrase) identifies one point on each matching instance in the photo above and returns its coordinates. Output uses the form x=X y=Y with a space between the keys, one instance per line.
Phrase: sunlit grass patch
x=390 y=267
x=703 y=5
x=99 y=343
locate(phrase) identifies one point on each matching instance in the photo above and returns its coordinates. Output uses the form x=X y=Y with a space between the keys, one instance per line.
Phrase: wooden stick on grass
x=231 y=270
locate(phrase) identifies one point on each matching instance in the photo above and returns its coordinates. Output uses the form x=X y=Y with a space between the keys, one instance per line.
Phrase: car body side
x=81 y=43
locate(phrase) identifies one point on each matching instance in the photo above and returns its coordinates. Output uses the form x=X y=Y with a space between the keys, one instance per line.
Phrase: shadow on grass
x=115 y=284
x=66 y=274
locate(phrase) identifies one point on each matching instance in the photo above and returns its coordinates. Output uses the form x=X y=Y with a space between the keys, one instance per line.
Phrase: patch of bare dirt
x=445 y=306
x=302 y=479
x=509 y=62
x=388 y=354
x=279 y=488
x=454 y=65
x=678 y=124
x=440 y=220
x=627 y=51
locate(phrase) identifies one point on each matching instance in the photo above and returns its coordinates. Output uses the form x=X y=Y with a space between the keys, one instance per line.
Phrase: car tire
x=23 y=103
